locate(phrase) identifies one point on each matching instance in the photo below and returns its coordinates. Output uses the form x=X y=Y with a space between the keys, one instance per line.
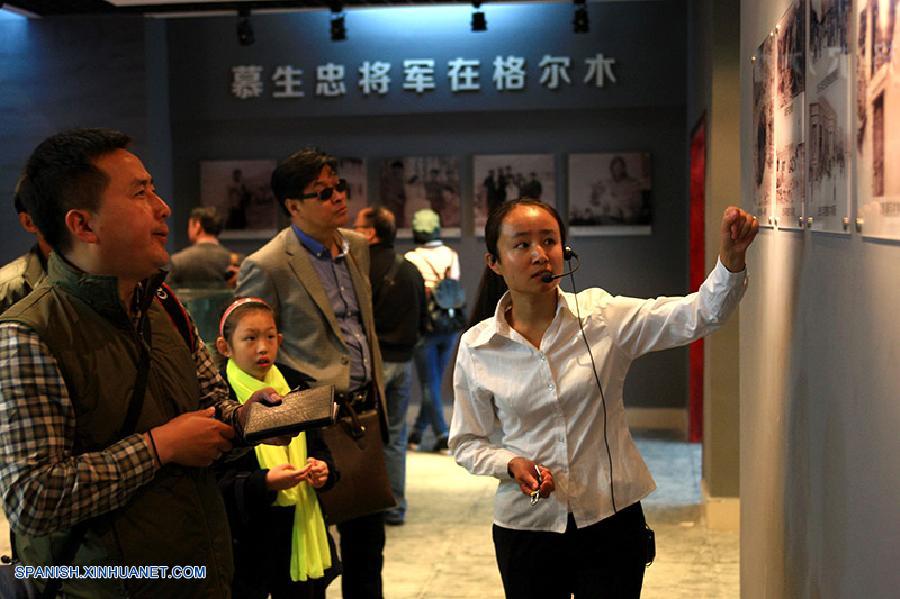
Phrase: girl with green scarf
x=281 y=544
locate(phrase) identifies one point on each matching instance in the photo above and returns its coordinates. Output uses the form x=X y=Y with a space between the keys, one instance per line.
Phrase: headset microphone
x=568 y=254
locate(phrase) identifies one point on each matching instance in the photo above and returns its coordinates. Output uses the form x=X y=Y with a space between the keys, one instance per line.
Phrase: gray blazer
x=282 y=274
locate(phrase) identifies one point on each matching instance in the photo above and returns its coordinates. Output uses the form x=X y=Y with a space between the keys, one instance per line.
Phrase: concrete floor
x=444 y=551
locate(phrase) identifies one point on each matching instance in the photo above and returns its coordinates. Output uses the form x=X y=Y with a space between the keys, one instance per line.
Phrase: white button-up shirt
x=513 y=399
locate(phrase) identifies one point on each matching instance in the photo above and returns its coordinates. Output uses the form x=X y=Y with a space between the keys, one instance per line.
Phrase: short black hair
x=384 y=222
x=61 y=175
x=297 y=171
x=495 y=219
x=209 y=218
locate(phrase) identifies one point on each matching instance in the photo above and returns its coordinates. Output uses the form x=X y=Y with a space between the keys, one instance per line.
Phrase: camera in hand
x=297 y=412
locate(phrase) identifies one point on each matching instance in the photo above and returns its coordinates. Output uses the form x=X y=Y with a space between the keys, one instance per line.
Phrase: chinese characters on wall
x=420 y=76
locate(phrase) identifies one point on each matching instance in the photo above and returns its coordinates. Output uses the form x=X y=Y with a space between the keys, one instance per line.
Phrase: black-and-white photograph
x=501 y=177
x=829 y=30
x=862 y=74
x=610 y=193
x=791 y=58
x=790 y=148
x=878 y=112
x=241 y=190
x=408 y=184
x=828 y=200
x=764 y=127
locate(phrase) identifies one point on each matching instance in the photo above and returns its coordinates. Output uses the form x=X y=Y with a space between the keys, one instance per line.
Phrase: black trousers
x=362 y=552
x=606 y=559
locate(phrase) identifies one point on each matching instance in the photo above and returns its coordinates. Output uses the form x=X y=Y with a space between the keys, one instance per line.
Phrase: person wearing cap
x=314 y=275
x=23 y=274
x=435 y=262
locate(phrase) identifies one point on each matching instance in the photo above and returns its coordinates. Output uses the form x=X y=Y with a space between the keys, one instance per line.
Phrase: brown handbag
x=358 y=453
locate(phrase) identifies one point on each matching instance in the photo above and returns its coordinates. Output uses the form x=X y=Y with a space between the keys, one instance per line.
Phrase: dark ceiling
x=82 y=7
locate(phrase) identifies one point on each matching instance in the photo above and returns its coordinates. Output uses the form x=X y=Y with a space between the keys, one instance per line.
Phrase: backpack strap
x=391 y=274
x=389 y=278
x=437 y=275
x=181 y=320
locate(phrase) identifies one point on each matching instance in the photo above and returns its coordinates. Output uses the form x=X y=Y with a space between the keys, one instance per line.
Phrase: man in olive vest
x=88 y=465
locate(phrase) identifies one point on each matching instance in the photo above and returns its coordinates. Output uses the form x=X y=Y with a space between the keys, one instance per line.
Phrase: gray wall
x=156 y=81
x=209 y=125
x=60 y=73
x=820 y=345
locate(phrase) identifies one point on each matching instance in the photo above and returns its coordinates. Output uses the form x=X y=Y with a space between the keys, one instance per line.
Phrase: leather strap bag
x=358 y=453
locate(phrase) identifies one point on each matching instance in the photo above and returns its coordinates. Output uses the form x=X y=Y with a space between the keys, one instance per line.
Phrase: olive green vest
x=178 y=518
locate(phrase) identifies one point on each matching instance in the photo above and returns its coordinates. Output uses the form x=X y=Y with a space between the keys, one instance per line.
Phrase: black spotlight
x=479 y=22
x=244 y=28
x=580 y=23
x=338 y=31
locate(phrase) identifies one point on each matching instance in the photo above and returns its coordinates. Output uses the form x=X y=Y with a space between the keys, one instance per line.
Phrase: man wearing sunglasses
x=314 y=274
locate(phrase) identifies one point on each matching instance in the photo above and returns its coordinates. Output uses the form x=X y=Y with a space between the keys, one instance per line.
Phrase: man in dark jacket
x=398 y=299
x=206 y=263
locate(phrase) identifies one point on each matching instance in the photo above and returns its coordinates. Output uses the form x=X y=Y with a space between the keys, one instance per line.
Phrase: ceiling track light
x=580 y=23
x=479 y=22
x=338 y=30
x=244 y=28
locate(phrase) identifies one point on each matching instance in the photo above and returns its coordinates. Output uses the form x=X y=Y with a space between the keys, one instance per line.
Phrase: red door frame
x=697 y=270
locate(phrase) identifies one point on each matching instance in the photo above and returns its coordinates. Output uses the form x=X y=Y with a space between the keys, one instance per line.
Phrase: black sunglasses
x=325 y=194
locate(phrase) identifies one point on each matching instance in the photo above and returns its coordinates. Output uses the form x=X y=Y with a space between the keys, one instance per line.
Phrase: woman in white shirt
x=529 y=399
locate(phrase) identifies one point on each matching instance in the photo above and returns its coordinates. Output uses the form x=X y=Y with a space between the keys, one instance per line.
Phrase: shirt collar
x=316 y=248
x=497 y=325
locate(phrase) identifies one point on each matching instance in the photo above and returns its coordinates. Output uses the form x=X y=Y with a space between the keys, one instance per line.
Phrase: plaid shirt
x=44 y=486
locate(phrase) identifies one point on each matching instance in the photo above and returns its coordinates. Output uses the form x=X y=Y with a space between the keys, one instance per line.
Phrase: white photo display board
x=829 y=114
x=790 y=105
x=764 y=131
x=877 y=109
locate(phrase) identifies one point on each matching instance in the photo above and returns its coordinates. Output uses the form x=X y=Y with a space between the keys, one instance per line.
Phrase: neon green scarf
x=310 y=555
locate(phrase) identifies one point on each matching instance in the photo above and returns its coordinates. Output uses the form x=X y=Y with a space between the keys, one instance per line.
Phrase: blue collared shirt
x=335 y=277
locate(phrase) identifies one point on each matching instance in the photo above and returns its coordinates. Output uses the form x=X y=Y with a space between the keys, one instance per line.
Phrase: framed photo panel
x=877 y=113
x=240 y=192
x=609 y=194
x=829 y=112
x=409 y=183
x=790 y=104
x=764 y=132
x=501 y=177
